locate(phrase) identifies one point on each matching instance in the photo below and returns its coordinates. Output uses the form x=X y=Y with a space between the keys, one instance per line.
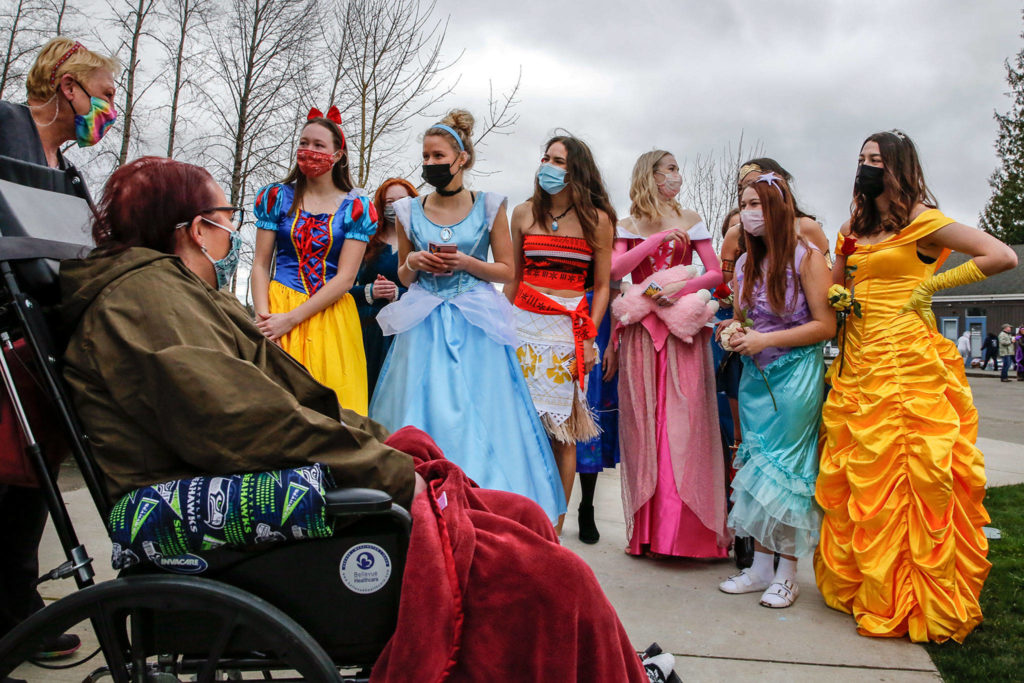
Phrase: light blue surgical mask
x=225 y=267
x=551 y=178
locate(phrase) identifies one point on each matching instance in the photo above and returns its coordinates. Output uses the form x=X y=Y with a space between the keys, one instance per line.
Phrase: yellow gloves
x=921 y=298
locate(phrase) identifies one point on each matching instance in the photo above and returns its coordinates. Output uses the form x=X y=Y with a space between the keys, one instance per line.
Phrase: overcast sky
x=808 y=80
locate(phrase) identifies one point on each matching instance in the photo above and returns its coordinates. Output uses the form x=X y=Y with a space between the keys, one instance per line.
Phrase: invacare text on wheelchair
x=287 y=610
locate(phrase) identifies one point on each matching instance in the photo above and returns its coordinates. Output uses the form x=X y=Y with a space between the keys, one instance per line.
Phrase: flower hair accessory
x=65 y=57
x=333 y=115
x=772 y=179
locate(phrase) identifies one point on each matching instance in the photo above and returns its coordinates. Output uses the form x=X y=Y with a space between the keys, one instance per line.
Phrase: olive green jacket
x=171 y=379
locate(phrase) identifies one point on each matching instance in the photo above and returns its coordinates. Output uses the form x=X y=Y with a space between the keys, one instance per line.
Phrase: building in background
x=981 y=307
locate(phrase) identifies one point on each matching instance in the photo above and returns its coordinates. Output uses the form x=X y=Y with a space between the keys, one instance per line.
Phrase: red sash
x=583 y=328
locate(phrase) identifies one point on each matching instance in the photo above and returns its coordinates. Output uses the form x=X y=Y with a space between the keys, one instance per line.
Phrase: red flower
x=849 y=245
x=722 y=291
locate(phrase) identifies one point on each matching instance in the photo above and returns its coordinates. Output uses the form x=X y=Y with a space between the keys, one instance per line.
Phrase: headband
x=333 y=115
x=451 y=131
x=748 y=168
x=60 y=62
x=772 y=180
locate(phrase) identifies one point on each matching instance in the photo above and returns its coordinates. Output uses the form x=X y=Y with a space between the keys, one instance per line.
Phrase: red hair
x=376 y=243
x=769 y=255
x=145 y=200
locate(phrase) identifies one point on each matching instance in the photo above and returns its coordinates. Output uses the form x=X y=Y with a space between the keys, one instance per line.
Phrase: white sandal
x=744 y=582
x=781 y=594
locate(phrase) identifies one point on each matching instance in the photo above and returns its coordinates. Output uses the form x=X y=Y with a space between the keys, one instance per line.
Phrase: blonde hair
x=462 y=121
x=643 y=190
x=42 y=79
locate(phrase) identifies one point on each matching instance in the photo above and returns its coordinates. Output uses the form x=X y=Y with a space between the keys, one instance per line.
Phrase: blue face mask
x=551 y=178
x=225 y=267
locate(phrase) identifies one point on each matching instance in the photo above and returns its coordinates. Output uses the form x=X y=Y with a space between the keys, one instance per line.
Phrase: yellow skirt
x=329 y=344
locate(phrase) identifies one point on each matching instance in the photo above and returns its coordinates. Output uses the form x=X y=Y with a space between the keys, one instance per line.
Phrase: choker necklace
x=555 y=219
x=448 y=193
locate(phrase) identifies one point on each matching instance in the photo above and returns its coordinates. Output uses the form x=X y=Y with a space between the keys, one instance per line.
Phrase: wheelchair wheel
x=159 y=628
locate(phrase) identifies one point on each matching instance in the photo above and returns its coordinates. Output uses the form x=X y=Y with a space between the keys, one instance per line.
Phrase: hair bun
x=461 y=120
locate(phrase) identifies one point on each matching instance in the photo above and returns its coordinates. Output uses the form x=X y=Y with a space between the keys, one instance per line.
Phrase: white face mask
x=753 y=221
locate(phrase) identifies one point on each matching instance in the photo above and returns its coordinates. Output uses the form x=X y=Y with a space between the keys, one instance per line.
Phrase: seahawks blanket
x=166 y=523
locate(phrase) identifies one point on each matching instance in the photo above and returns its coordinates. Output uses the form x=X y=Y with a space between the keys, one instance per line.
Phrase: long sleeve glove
x=921 y=298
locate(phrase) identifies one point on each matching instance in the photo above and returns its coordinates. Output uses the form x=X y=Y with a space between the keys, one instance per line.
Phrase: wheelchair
x=283 y=612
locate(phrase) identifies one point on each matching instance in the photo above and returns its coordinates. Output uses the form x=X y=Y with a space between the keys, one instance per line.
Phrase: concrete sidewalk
x=731 y=637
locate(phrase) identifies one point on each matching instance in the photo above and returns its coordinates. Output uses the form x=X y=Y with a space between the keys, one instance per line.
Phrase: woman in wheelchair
x=172 y=380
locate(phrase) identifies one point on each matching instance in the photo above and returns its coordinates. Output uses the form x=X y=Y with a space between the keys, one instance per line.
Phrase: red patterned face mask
x=313 y=163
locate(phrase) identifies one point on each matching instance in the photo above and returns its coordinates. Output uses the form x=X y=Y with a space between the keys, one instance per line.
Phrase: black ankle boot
x=588 y=528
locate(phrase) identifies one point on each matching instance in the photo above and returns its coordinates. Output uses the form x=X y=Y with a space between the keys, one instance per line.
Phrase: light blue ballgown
x=452 y=370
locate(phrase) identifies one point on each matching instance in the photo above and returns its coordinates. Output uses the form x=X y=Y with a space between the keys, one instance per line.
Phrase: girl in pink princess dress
x=672 y=465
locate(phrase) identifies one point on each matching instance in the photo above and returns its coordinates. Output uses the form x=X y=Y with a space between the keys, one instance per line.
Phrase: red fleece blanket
x=489 y=595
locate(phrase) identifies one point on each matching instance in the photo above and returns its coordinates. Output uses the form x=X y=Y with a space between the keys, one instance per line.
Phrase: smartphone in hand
x=436 y=248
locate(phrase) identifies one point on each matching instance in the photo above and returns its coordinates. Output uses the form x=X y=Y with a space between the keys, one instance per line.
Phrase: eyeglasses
x=237 y=214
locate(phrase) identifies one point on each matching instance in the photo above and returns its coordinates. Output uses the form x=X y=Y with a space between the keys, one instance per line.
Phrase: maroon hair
x=144 y=200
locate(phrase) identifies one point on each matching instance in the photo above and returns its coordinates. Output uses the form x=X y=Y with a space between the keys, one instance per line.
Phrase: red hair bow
x=332 y=115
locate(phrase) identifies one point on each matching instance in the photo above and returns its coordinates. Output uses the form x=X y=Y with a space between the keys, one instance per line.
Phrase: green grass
x=995 y=650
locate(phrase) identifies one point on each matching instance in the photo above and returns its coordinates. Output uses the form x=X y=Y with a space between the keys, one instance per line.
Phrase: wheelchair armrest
x=353 y=501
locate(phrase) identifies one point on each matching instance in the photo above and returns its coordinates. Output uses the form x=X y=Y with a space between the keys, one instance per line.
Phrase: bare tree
x=709 y=182
x=17 y=43
x=133 y=18
x=388 y=61
x=184 y=16
x=59 y=12
x=263 y=67
x=501 y=116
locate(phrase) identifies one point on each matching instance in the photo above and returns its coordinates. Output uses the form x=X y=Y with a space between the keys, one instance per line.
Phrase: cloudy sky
x=807 y=80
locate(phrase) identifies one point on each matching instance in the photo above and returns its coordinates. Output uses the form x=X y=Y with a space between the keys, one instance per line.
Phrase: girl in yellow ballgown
x=901 y=481
x=312 y=230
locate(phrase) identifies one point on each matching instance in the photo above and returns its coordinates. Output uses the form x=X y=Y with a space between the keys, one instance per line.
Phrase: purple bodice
x=764 y=318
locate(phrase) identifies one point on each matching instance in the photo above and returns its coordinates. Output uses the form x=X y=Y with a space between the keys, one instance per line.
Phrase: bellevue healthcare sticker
x=365 y=568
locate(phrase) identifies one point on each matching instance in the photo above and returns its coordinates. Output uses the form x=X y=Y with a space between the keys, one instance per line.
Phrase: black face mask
x=438 y=175
x=870 y=181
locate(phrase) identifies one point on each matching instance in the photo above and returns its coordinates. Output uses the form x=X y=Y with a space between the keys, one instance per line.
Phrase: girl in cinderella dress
x=452 y=369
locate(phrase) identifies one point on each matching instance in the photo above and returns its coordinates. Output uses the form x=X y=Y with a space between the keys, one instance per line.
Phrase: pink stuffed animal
x=684 y=319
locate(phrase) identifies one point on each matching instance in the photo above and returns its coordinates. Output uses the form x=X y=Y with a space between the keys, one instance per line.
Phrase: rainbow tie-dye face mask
x=91 y=127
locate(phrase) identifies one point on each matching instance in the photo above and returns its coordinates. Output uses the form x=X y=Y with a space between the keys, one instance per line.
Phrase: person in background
x=313 y=227
x=70 y=92
x=1018 y=341
x=782 y=284
x=729 y=369
x=561 y=241
x=377 y=281
x=673 y=472
x=990 y=351
x=601 y=452
x=963 y=345
x=1006 y=352
x=452 y=369
x=900 y=479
